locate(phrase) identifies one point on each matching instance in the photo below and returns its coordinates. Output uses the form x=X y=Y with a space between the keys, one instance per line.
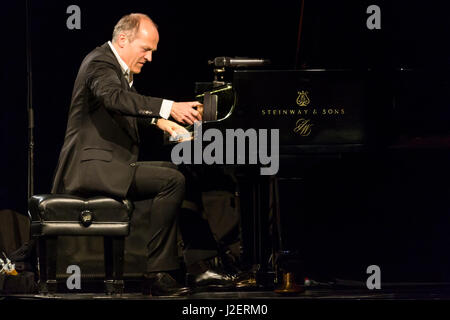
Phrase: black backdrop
x=334 y=35
x=190 y=34
x=413 y=35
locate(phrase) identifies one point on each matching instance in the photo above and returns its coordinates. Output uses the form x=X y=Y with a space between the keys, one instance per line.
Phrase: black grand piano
x=338 y=129
x=320 y=114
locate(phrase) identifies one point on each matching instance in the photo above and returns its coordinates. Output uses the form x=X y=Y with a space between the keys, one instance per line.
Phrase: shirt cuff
x=166 y=108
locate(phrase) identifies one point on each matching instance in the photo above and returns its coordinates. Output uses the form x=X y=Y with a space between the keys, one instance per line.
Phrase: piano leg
x=255 y=227
x=286 y=261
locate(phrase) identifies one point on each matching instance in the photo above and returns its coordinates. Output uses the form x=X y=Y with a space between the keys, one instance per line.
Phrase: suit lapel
x=128 y=123
x=136 y=129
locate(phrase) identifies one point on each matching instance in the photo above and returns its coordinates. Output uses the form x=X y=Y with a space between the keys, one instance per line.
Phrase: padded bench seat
x=54 y=215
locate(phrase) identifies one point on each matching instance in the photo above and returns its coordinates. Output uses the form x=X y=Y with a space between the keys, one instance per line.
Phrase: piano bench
x=55 y=215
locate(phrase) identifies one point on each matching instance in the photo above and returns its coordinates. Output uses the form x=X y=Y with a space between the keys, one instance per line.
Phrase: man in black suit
x=100 y=151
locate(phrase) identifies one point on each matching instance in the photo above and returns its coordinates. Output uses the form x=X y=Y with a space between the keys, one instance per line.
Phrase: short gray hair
x=129 y=24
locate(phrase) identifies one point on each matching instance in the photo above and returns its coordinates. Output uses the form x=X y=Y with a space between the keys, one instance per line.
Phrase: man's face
x=137 y=52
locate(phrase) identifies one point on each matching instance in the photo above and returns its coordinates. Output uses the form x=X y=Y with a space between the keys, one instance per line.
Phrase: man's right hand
x=184 y=112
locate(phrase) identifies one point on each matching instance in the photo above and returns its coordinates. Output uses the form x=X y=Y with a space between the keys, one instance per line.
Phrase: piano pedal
x=289 y=285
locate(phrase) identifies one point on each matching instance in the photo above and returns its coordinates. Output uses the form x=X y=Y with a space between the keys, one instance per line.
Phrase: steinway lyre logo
x=303 y=99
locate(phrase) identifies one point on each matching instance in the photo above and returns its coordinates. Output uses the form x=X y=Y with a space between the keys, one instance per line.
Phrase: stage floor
x=400 y=292
x=422 y=301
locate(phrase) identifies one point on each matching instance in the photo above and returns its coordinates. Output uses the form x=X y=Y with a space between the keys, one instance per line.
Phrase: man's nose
x=148 y=56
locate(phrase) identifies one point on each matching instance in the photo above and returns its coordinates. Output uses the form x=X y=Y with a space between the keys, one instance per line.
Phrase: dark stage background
x=388 y=209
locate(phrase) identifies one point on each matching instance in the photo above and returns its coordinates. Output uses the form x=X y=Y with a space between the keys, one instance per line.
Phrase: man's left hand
x=176 y=131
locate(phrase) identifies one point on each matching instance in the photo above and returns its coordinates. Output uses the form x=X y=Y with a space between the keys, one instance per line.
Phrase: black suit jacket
x=101 y=141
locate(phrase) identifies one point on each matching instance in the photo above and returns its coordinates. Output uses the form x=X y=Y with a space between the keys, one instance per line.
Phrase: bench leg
x=114 y=254
x=118 y=249
x=42 y=256
x=47 y=252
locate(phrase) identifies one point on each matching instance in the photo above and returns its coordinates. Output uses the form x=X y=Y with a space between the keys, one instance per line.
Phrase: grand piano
x=325 y=117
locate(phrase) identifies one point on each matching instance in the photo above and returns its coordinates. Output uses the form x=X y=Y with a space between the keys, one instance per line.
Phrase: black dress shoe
x=163 y=284
x=211 y=279
x=246 y=281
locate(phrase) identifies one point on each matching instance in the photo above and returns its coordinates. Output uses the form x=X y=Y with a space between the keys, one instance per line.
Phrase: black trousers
x=162 y=182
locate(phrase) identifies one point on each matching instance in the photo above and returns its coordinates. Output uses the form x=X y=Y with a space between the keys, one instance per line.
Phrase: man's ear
x=122 y=40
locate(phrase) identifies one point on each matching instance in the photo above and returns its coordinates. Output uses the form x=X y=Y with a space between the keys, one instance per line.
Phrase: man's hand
x=176 y=131
x=184 y=112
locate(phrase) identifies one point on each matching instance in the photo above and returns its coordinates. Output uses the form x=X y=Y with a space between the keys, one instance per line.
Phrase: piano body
x=323 y=116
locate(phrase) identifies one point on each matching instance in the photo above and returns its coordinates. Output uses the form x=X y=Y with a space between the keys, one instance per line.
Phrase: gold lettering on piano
x=329 y=111
x=303 y=127
x=332 y=112
x=303 y=99
x=286 y=112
